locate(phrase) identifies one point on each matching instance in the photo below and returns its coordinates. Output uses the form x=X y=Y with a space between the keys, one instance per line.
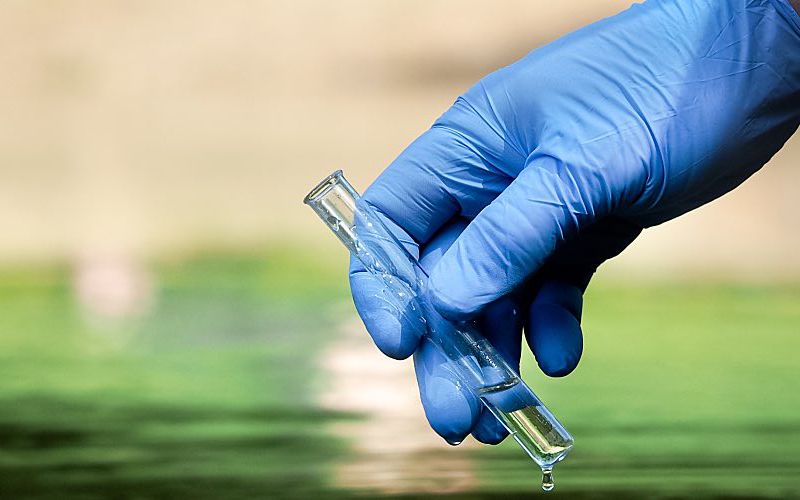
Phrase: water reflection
x=392 y=448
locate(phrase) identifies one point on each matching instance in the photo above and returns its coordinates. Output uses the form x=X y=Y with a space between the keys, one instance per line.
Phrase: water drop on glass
x=453 y=442
x=333 y=222
x=547 y=480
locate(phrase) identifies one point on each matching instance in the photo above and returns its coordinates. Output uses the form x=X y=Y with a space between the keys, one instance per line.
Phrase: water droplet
x=453 y=442
x=333 y=222
x=547 y=480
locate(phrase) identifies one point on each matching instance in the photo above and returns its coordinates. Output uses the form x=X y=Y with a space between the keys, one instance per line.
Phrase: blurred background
x=175 y=323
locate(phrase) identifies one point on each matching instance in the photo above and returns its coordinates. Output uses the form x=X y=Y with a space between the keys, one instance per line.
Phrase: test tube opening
x=334 y=200
x=324 y=186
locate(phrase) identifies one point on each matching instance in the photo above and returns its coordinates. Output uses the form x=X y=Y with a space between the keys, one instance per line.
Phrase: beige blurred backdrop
x=154 y=128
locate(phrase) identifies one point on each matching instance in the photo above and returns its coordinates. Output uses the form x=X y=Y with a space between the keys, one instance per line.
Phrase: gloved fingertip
x=451 y=410
x=392 y=333
x=557 y=368
x=450 y=413
x=489 y=430
x=554 y=335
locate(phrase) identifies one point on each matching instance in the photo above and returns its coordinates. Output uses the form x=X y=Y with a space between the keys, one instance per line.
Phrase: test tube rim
x=323 y=187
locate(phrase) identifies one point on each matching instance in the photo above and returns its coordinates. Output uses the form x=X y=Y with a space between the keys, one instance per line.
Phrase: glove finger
x=452 y=411
x=384 y=312
x=450 y=408
x=489 y=430
x=553 y=328
x=501 y=323
x=394 y=333
x=447 y=405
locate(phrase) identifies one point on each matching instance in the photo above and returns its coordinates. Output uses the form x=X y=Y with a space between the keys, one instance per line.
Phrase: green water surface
x=684 y=391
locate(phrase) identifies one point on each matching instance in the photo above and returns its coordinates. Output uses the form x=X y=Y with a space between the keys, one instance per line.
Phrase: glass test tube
x=479 y=366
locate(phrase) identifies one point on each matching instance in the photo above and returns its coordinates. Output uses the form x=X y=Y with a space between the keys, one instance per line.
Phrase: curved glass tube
x=478 y=365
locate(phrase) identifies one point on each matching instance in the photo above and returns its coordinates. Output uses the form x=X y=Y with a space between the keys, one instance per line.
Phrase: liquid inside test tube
x=477 y=364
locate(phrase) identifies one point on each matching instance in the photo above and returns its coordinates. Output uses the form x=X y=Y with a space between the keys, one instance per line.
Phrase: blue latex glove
x=548 y=167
